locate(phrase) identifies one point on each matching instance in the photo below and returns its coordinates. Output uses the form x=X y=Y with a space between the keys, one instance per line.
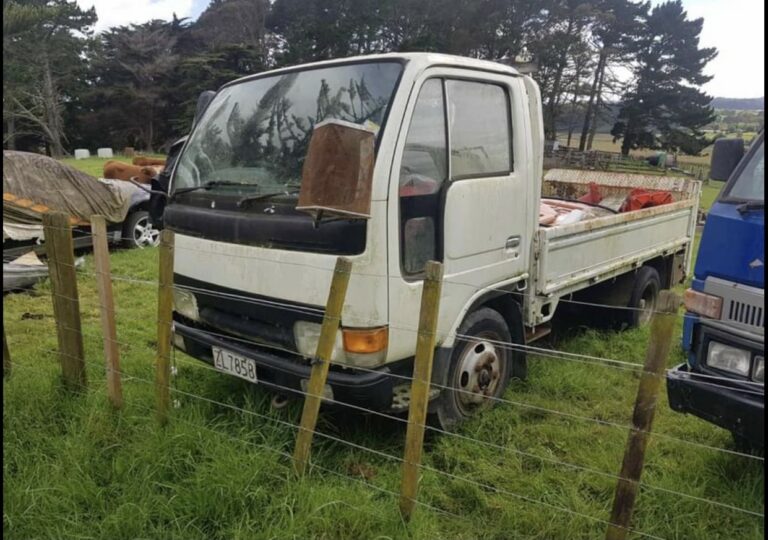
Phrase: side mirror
x=726 y=154
x=202 y=103
x=338 y=171
x=161 y=184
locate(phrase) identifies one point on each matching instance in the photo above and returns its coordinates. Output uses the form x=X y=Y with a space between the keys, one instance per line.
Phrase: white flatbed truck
x=457 y=178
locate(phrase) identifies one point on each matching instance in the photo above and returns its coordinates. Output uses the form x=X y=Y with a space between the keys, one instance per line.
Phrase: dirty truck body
x=457 y=178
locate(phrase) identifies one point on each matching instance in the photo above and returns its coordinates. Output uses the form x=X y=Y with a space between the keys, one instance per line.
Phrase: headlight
x=759 y=369
x=729 y=358
x=185 y=303
x=703 y=304
x=307 y=335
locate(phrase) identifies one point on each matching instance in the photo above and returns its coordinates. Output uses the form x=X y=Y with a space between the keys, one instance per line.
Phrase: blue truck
x=724 y=330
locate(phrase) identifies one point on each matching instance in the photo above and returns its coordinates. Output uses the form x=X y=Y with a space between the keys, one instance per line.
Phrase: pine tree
x=665 y=109
x=615 y=31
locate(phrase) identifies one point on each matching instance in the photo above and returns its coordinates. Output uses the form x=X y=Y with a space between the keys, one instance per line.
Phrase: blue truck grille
x=744 y=313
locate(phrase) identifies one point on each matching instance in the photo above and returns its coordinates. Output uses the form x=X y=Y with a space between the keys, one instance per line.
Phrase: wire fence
x=127 y=338
x=318 y=311
x=537 y=352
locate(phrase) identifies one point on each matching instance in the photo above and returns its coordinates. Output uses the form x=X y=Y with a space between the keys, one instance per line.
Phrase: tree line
x=136 y=85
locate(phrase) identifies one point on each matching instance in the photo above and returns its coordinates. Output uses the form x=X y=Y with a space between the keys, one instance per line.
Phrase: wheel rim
x=647 y=304
x=144 y=234
x=479 y=373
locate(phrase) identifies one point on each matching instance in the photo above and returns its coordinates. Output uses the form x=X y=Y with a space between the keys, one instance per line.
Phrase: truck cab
x=724 y=330
x=456 y=176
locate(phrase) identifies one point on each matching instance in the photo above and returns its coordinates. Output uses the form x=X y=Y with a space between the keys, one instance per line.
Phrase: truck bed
x=571 y=257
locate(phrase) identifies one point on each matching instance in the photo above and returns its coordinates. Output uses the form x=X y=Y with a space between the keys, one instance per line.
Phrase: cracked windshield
x=254 y=135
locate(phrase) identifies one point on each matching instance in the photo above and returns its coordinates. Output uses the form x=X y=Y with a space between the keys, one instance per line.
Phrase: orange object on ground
x=640 y=198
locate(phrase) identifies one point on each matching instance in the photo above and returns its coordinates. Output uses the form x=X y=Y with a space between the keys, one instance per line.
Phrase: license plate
x=234 y=364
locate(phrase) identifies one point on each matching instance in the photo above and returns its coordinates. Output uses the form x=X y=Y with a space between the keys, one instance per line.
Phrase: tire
x=479 y=367
x=138 y=231
x=645 y=292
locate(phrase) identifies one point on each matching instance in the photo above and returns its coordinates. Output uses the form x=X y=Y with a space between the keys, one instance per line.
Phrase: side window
x=423 y=170
x=425 y=159
x=481 y=138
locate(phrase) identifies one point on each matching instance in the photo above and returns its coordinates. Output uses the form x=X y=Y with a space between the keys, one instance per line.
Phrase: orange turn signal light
x=703 y=304
x=365 y=340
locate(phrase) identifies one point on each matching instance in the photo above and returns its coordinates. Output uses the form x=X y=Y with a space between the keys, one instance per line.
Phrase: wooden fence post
x=6 y=356
x=59 y=248
x=422 y=375
x=322 y=361
x=164 y=321
x=107 y=309
x=662 y=327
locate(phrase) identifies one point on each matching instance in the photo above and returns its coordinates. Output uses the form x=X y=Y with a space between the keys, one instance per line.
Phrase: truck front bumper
x=284 y=373
x=737 y=410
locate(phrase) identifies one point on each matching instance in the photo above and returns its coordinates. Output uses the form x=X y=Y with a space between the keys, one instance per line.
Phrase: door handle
x=512 y=242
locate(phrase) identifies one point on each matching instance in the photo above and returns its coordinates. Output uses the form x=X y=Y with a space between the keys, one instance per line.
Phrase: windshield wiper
x=751 y=205
x=212 y=184
x=266 y=196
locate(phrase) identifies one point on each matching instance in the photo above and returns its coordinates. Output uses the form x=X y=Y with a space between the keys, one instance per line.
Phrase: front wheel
x=479 y=369
x=138 y=231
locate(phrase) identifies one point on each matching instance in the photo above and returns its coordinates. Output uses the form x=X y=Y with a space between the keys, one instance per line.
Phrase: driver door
x=461 y=195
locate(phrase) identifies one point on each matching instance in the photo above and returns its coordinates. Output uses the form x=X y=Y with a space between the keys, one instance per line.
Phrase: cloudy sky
x=735 y=27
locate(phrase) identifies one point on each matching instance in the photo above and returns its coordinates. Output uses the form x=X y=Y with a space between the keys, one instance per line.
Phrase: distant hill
x=739 y=104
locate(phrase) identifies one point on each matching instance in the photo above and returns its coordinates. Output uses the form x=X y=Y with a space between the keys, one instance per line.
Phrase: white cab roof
x=418 y=60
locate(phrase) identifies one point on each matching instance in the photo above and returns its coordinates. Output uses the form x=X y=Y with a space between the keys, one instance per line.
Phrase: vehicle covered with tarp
x=34 y=185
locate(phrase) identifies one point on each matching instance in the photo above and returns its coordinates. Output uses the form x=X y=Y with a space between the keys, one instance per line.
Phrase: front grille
x=742 y=304
x=247 y=328
x=249 y=316
x=744 y=313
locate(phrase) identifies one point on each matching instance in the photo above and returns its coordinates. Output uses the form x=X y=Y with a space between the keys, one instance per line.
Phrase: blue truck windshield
x=749 y=184
x=254 y=134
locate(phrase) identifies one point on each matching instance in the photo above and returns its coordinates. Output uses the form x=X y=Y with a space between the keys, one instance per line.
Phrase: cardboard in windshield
x=338 y=171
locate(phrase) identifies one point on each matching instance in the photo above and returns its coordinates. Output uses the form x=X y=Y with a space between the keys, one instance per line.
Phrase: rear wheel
x=642 y=301
x=479 y=369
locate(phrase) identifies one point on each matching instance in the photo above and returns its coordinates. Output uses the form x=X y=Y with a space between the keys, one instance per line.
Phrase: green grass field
x=74 y=469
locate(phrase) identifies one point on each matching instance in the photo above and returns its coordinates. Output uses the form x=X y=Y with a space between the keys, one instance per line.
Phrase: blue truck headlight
x=758 y=372
x=727 y=358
